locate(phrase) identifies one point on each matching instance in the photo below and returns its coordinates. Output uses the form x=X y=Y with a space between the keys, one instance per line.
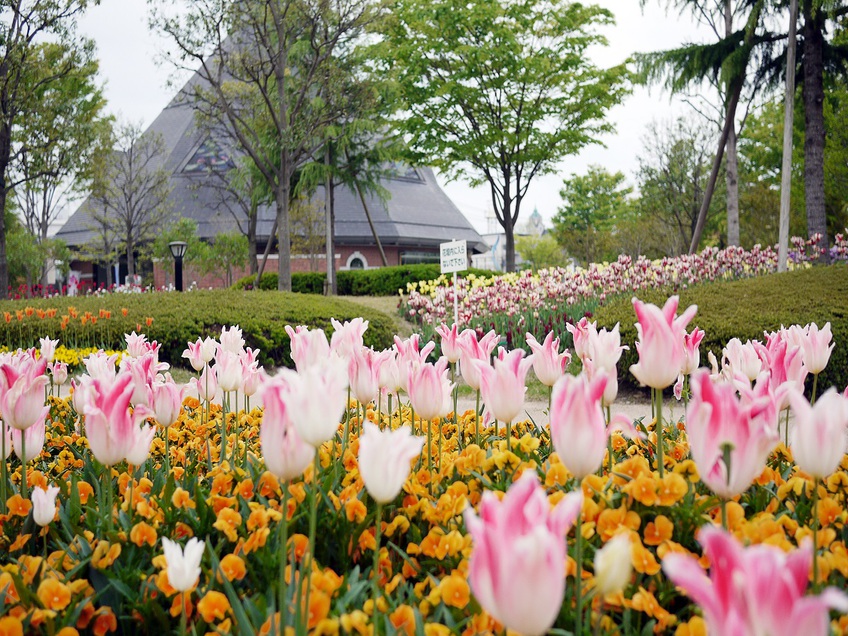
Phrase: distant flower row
x=556 y=289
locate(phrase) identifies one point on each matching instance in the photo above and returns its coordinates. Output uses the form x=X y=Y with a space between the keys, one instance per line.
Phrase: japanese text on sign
x=453 y=257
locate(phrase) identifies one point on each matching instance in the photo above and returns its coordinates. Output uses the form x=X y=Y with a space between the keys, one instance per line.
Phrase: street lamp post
x=178 y=250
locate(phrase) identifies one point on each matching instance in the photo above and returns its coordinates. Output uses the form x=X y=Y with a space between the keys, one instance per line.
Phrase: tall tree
x=261 y=64
x=499 y=91
x=673 y=175
x=60 y=138
x=23 y=23
x=727 y=63
x=591 y=206
x=130 y=194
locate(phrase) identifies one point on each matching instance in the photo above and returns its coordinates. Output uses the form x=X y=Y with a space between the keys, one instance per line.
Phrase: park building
x=410 y=223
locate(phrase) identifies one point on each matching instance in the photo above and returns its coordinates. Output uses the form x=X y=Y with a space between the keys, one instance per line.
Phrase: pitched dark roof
x=417 y=214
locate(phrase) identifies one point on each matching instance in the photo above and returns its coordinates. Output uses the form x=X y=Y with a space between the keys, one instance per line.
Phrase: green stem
x=600 y=617
x=660 y=462
x=236 y=434
x=509 y=435
x=222 y=455
x=23 y=465
x=430 y=453
x=455 y=419
x=375 y=569
x=3 y=469
x=723 y=505
x=167 y=453
x=815 y=385
x=815 y=531
x=578 y=583
x=183 y=617
x=609 y=441
x=477 y=420
x=283 y=588
x=346 y=433
x=390 y=410
x=107 y=491
x=313 y=522
x=131 y=508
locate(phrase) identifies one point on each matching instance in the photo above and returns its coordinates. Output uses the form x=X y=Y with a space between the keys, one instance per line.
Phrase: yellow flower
x=53 y=594
x=11 y=626
x=643 y=489
x=658 y=530
x=455 y=591
x=213 y=606
x=227 y=522
x=142 y=533
x=104 y=554
x=233 y=567
x=403 y=620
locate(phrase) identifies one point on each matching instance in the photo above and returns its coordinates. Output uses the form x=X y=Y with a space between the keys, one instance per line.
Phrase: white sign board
x=453 y=257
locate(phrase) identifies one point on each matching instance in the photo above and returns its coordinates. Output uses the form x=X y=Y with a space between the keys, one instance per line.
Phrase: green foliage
x=538 y=252
x=181 y=317
x=184 y=229
x=674 y=168
x=499 y=92
x=746 y=308
x=383 y=281
x=591 y=205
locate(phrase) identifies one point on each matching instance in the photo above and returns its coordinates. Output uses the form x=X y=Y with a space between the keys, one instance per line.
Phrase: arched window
x=357 y=261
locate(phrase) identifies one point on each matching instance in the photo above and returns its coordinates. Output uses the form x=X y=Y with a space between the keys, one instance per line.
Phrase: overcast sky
x=137 y=88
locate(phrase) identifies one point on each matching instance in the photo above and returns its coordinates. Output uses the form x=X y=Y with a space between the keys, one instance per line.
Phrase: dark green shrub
x=746 y=308
x=176 y=318
x=384 y=281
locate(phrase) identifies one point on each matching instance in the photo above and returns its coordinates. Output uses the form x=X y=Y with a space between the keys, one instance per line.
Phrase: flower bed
x=391 y=552
x=543 y=301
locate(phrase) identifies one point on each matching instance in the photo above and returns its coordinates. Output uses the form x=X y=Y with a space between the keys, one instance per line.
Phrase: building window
x=415 y=258
x=208 y=157
x=357 y=261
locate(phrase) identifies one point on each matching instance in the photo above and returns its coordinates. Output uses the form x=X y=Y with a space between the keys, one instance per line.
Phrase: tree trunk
x=5 y=154
x=509 y=242
x=788 y=118
x=251 y=240
x=283 y=236
x=329 y=235
x=130 y=260
x=732 y=179
x=814 y=123
x=708 y=193
x=732 y=167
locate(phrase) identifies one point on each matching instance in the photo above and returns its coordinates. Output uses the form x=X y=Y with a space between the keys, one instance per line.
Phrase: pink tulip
x=474 y=349
x=578 y=429
x=167 y=402
x=59 y=371
x=143 y=371
x=99 y=365
x=317 y=397
x=430 y=390
x=364 y=373
x=785 y=364
x=603 y=347
x=517 y=566
x=716 y=419
x=502 y=385
x=231 y=339
x=110 y=425
x=196 y=354
x=393 y=373
x=819 y=439
x=138 y=449
x=691 y=350
x=580 y=336
x=410 y=351
x=252 y=377
x=450 y=342
x=815 y=346
x=754 y=590
x=308 y=346
x=23 y=381
x=742 y=359
x=44 y=505
x=34 y=441
x=206 y=385
x=137 y=344
x=548 y=363
x=228 y=370
x=286 y=455
x=48 y=348
x=660 y=343
x=384 y=458
x=347 y=337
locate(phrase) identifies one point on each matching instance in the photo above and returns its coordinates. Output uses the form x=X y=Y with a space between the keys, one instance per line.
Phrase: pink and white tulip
x=44 y=505
x=660 y=343
x=758 y=590
x=430 y=390
x=517 y=570
x=502 y=384
x=548 y=363
x=286 y=454
x=820 y=433
x=384 y=458
x=717 y=419
x=308 y=346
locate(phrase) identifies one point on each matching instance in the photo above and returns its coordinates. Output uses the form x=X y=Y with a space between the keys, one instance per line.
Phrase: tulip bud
x=44 y=505
x=183 y=567
x=613 y=565
x=384 y=458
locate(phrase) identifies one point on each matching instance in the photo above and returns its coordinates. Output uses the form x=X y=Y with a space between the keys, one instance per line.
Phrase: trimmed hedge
x=383 y=281
x=746 y=308
x=181 y=317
